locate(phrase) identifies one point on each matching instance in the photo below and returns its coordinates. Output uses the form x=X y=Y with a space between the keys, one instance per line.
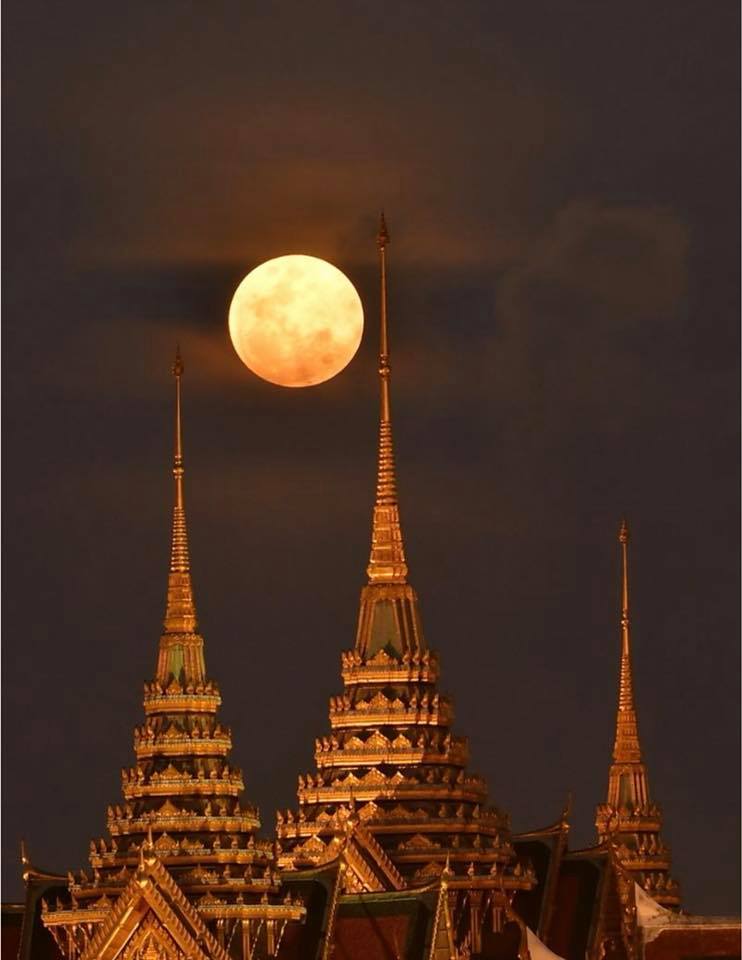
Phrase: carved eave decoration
x=151 y=909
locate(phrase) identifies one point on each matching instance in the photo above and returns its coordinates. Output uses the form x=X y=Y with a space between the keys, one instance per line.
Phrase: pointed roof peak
x=626 y=747
x=180 y=611
x=387 y=561
x=382 y=238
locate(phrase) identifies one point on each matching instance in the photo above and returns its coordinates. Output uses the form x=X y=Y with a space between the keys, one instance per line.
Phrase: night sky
x=561 y=186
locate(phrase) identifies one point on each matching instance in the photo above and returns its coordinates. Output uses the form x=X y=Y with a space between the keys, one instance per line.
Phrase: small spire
x=626 y=748
x=387 y=561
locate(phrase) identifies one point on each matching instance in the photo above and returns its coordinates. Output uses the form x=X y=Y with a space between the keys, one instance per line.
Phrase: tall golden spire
x=180 y=614
x=181 y=648
x=629 y=817
x=626 y=746
x=387 y=561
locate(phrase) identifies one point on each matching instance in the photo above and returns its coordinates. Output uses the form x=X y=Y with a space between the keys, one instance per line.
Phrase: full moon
x=296 y=321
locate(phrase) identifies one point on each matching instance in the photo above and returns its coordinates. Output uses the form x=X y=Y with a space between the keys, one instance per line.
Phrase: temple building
x=182 y=872
x=390 y=757
x=393 y=850
x=629 y=818
x=629 y=863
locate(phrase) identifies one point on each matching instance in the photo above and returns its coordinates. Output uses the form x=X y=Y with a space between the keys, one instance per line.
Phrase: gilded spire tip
x=178 y=367
x=623 y=531
x=382 y=238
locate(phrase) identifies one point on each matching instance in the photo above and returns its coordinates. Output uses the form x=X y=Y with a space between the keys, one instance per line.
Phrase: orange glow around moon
x=296 y=321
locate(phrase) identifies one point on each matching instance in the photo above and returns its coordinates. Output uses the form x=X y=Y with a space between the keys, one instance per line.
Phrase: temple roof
x=391 y=758
x=629 y=819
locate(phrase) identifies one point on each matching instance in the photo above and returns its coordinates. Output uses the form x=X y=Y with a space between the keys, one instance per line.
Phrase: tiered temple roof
x=390 y=757
x=394 y=850
x=629 y=821
x=182 y=799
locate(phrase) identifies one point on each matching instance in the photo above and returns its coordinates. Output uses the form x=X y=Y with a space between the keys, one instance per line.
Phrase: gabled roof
x=369 y=869
x=153 y=909
x=399 y=924
x=544 y=849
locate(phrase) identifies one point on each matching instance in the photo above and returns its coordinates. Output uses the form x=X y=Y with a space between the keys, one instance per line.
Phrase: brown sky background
x=561 y=182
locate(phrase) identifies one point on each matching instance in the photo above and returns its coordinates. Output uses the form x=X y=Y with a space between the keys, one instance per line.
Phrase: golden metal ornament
x=629 y=820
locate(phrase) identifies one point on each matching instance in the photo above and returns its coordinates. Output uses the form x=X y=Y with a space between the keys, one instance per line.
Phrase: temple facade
x=393 y=850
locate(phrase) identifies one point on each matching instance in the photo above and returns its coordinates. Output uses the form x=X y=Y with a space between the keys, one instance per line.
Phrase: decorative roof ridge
x=553 y=829
x=583 y=853
x=144 y=881
x=30 y=872
x=375 y=850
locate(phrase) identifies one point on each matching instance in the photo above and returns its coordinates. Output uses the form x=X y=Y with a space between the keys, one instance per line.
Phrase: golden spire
x=180 y=614
x=387 y=561
x=626 y=747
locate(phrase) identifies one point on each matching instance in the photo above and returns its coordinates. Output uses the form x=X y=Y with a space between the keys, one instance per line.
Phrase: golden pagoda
x=629 y=821
x=182 y=838
x=391 y=762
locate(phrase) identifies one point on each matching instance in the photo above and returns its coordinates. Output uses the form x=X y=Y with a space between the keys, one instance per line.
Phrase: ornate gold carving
x=390 y=749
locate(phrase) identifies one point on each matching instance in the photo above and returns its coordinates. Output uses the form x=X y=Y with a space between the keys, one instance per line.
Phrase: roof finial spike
x=180 y=614
x=178 y=369
x=626 y=747
x=382 y=238
x=387 y=561
x=623 y=539
x=567 y=808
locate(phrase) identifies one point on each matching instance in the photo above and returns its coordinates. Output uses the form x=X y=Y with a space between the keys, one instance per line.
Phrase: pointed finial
x=24 y=854
x=387 y=561
x=626 y=747
x=382 y=237
x=623 y=539
x=180 y=616
x=180 y=612
x=567 y=809
x=178 y=369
